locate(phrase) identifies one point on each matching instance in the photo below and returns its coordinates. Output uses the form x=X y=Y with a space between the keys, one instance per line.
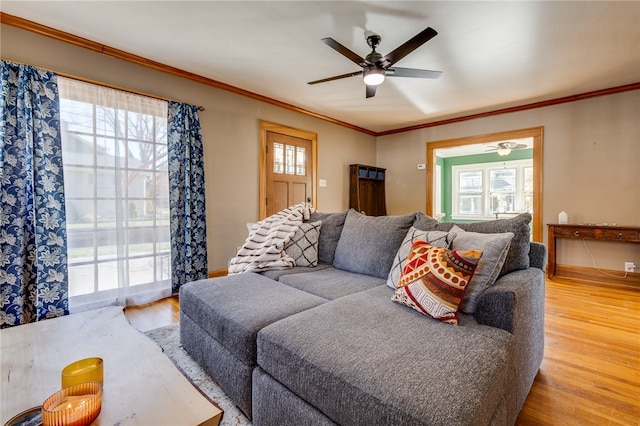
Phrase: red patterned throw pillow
x=434 y=280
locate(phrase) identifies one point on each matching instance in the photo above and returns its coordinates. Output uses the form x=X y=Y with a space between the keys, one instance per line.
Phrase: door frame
x=534 y=132
x=267 y=126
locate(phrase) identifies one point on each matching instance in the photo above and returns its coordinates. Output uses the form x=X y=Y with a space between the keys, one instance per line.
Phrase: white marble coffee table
x=141 y=384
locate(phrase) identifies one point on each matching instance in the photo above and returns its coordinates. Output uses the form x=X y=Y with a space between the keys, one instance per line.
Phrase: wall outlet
x=629 y=267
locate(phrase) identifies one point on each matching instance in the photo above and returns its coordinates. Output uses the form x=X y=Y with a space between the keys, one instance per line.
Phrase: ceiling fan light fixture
x=503 y=152
x=373 y=77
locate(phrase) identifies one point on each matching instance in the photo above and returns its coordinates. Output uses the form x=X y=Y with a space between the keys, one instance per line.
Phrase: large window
x=485 y=191
x=117 y=195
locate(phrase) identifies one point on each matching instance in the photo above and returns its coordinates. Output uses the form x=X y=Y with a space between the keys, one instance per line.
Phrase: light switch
x=422 y=166
x=322 y=183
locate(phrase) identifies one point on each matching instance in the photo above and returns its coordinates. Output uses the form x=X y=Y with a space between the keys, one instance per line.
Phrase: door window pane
x=278 y=158
x=289 y=160
x=300 y=161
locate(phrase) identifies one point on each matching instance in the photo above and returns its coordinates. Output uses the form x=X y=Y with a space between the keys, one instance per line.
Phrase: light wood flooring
x=591 y=370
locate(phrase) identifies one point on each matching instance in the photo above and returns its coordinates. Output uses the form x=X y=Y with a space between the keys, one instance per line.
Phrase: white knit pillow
x=303 y=247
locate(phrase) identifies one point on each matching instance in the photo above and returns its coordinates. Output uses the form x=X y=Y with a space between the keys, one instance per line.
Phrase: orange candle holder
x=84 y=370
x=77 y=405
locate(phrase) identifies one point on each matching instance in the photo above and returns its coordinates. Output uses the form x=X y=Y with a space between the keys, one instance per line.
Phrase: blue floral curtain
x=33 y=237
x=186 y=199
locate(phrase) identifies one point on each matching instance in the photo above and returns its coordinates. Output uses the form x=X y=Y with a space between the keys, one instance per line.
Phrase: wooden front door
x=289 y=171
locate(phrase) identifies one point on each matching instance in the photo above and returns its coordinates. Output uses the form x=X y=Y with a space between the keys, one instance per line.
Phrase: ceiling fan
x=376 y=67
x=505 y=148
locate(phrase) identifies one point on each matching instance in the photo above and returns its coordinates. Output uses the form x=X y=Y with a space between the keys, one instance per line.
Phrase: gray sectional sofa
x=326 y=345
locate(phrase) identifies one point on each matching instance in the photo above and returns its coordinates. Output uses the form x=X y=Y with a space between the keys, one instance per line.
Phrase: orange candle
x=77 y=405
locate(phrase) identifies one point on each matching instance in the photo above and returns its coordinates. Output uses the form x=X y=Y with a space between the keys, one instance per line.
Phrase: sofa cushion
x=331 y=283
x=494 y=252
x=434 y=280
x=518 y=254
x=275 y=274
x=435 y=238
x=374 y=362
x=332 y=224
x=368 y=244
x=234 y=308
x=303 y=246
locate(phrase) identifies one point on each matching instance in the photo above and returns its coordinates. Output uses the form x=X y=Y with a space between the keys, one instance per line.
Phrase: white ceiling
x=493 y=54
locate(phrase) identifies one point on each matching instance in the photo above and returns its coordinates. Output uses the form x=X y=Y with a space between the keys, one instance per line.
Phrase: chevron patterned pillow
x=435 y=279
x=303 y=247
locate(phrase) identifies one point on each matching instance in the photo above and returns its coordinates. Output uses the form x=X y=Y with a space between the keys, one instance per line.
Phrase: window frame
x=485 y=169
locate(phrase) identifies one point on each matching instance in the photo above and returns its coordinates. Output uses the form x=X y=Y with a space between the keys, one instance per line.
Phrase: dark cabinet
x=366 y=190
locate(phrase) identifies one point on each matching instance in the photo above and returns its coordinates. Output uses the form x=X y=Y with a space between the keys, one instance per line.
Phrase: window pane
x=290 y=160
x=81 y=150
x=141 y=270
x=107 y=276
x=109 y=122
x=141 y=155
x=107 y=243
x=300 y=161
x=528 y=203
x=470 y=204
x=503 y=180
x=528 y=179
x=81 y=280
x=140 y=126
x=163 y=266
x=78 y=182
x=471 y=181
x=278 y=158
x=502 y=203
x=76 y=116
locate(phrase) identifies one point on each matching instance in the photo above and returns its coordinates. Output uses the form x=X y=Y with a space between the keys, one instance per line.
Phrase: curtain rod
x=103 y=84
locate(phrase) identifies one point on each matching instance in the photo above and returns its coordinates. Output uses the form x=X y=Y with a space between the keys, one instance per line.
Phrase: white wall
x=591 y=168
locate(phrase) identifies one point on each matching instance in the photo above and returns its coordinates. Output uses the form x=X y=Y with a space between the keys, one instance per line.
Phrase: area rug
x=168 y=338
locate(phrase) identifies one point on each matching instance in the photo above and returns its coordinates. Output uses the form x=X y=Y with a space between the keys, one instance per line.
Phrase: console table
x=627 y=234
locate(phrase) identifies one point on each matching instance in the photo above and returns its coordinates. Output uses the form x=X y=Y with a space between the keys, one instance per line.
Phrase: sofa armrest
x=515 y=303
x=538 y=255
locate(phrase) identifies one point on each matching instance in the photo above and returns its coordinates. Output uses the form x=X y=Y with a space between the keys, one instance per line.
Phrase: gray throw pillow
x=368 y=244
x=435 y=238
x=332 y=224
x=494 y=252
x=427 y=223
x=303 y=247
x=518 y=255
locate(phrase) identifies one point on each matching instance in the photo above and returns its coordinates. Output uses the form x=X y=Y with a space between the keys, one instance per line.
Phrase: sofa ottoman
x=219 y=321
x=374 y=362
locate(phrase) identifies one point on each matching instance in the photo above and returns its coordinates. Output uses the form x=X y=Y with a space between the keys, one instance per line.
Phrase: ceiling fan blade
x=337 y=77
x=411 y=72
x=354 y=57
x=371 y=91
x=407 y=47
